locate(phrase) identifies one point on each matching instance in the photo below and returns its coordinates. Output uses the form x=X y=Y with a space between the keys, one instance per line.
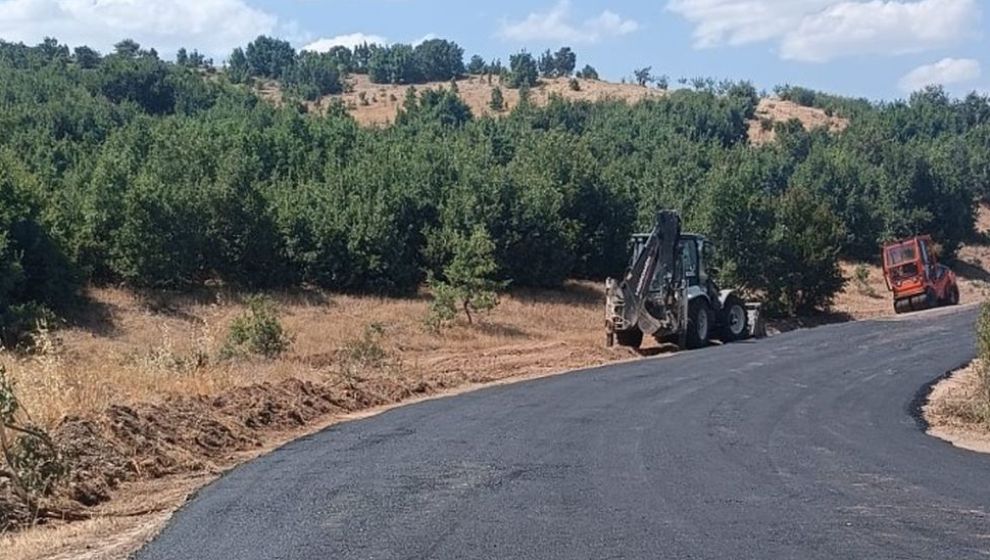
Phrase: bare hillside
x=377 y=104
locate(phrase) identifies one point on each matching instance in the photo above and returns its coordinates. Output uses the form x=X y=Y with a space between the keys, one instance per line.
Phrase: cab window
x=689 y=258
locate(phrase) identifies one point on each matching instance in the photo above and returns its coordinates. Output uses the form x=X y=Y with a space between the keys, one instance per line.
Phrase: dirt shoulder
x=958 y=410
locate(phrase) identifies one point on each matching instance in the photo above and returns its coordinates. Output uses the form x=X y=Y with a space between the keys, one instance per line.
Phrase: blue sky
x=872 y=48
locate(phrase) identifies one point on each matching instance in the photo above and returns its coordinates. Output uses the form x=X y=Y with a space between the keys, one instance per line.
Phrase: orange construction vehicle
x=915 y=277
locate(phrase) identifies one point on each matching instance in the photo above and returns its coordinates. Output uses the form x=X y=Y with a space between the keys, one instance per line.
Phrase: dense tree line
x=126 y=168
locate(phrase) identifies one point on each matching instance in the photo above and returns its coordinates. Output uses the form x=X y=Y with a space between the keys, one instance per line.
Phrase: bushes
x=258 y=331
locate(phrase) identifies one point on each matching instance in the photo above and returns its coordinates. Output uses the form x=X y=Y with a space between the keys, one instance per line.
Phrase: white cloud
x=948 y=71
x=736 y=22
x=557 y=25
x=350 y=41
x=424 y=38
x=821 y=30
x=214 y=27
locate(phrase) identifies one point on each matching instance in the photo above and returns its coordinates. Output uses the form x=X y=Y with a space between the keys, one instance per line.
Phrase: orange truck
x=915 y=277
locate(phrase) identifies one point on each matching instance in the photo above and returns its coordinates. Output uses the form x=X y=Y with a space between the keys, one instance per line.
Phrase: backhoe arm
x=658 y=255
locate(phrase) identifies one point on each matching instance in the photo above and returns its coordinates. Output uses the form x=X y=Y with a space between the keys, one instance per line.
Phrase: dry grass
x=776 y=110
x=143 y=349
x=963 y=400
x=958 y=408
x=381 y=102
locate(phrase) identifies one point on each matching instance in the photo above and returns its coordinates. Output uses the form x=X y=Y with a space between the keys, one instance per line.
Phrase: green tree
x=522 y=70
x=342 y=58
x=588 y=73
x=468 y=282
x=476 y=65
x=803 y=272
x=564 y=62
x=86 y=57
x=547 y=65
x=644 y=76
x=237 y=67
x=128 y=48
x=314 y=75
x=268 y=57
x=497 y=102
x=439 y=60
x=395 y=64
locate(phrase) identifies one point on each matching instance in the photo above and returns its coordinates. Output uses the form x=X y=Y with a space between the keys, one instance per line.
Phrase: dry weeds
x=958 y=409
x=135 y=348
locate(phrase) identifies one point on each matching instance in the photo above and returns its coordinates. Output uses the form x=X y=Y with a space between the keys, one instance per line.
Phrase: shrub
x=497 y=102
x=862 y=278
x=29 y=459
x=366 y=355
x=19 y=323
x=258 y=331
x=574 y=84
x=467 y=282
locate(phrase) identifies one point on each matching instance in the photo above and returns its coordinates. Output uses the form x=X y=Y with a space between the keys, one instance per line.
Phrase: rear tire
x=700 y=319
x=735 y=320
x=953 y=295
x=902 y=306
x=631 y=338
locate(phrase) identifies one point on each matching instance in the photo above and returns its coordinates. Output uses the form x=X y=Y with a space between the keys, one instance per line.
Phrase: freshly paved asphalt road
x=802 y=446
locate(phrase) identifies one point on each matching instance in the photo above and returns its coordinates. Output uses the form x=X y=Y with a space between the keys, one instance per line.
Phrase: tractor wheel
x=902 y=306
x=735 y=321
x=699 y=326
x=952 y=298
x=631 y=338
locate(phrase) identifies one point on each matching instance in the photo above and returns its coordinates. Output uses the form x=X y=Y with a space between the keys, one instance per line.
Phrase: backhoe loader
x=669 y=292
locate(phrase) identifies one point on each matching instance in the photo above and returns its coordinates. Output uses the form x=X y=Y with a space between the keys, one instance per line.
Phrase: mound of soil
x=190 y=434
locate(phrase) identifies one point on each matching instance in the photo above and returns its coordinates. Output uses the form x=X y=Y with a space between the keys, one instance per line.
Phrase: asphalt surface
x=806 y=445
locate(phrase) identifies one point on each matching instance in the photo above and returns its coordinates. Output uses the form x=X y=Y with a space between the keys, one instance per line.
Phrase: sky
x=880 y=49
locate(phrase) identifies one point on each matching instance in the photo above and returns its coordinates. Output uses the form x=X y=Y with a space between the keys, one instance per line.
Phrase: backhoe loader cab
x=915 y=277
x=669 y=292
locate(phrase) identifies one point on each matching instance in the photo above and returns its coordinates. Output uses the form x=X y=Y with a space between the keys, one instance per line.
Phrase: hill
x=374 y=104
